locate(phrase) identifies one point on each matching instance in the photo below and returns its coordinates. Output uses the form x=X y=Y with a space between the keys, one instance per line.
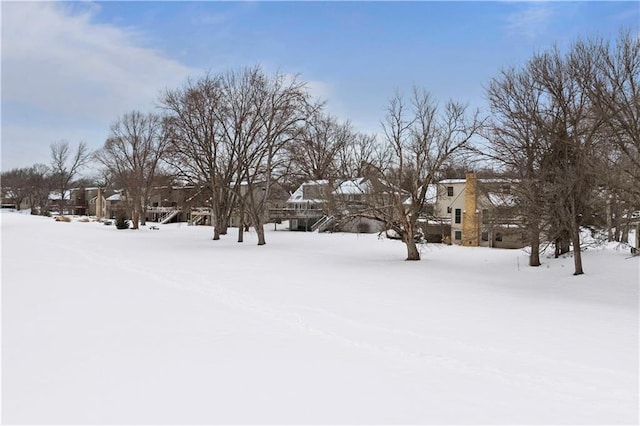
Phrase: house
x=322 y=205
x=349 y=198
x=306 y=206
x=276 y=200
x=481 y=212
x=97 y=203
x=58 y=202
x=172 y=203
x=10 y=201
x=114 y=204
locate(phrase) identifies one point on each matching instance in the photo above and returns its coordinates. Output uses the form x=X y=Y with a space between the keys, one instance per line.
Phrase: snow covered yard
x=101 y=326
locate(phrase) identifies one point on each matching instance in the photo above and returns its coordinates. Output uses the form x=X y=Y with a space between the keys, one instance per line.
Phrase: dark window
x=485 y=236
x=458 y=235
x=458 y=218
x=450 y=191
x=449 y=209
x=485 y=216
x=498 y=236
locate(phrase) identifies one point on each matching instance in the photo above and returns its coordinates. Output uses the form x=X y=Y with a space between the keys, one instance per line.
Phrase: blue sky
x=70 y=69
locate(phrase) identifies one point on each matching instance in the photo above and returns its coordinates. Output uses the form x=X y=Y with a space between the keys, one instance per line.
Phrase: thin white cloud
x=57 y=59
x=531 y=21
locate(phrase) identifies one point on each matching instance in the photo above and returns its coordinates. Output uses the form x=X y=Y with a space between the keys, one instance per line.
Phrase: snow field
x=170 y=327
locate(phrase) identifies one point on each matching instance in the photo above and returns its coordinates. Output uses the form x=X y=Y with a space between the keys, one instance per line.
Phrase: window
x=498 y=236
x=485 y=216
x=485 y=236
x=450 y=191
x=457 y=235
x=458 y=218
x=449 y=209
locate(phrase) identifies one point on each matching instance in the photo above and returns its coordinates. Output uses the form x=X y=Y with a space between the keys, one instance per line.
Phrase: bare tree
x=40 y=185
x=265 y=115
x=614 y=88
x=65 y=165
x=419 y=140
x=132 y=154
x=321 y=145
x=196 y=148
x=548 y=133
x=574 y=133
x=228 y=134
x=516 y=143
x=15 y=185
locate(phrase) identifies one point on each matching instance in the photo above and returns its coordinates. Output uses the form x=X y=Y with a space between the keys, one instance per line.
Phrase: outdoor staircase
x=166 y=217
x=197 y=220
x=323 y=223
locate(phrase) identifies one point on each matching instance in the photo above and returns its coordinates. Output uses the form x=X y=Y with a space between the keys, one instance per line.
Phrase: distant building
x=481 y=212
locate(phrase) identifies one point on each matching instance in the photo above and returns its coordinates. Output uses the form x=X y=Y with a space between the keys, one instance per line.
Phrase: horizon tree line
x=565 y=127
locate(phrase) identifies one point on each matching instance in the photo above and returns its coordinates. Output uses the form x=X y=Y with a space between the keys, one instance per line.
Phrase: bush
x=121 y=221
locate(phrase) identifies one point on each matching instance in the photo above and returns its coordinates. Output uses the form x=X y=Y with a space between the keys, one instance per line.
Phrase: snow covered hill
x=102 y=326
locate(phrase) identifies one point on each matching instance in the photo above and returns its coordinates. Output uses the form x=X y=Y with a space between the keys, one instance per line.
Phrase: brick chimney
x=470 y=222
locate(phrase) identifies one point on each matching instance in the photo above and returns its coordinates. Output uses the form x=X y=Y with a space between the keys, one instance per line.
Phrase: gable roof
x=298 y=194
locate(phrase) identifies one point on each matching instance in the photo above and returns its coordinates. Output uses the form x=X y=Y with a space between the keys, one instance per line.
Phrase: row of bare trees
x=228 y=134
x=567 y=126
x=132 y=157
x=34 y=184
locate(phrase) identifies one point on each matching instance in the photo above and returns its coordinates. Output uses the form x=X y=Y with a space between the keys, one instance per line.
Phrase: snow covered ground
x=101 y=326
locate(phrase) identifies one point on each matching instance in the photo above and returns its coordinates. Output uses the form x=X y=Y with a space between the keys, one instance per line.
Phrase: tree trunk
x=260 y=232
x=562 y=244
x=135 y=218
x=224 y=225
x=216 y=228
x=412 y=248
x=577 y=254
x=534 y=256
x=259 y=227
x=609 y=221
x=143 y=217
x=241 y=229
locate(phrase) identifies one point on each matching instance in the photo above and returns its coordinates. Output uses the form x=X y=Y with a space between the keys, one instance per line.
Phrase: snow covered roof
x=56 y=195
x=499 y=199
x=114 y=197
x=298 y=194
x=353 y=187
x=446 y=181
x=482 y=180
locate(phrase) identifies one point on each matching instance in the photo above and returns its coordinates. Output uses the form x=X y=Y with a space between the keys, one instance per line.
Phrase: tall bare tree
x=136 y=145
x=266 y=114
x=517 y=144
x=66 y=165
x=29 y=184
x=419 y=140
x=228 y=132
x=552 y=135
x=15 y=185
x=196 y=148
